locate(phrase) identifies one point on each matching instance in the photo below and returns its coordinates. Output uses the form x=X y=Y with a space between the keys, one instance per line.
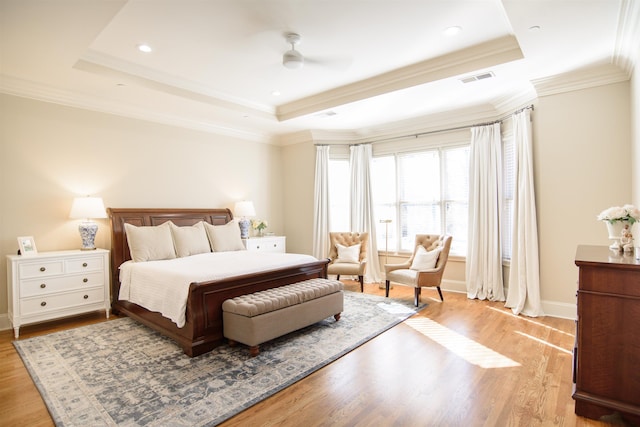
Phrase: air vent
x=478 y=77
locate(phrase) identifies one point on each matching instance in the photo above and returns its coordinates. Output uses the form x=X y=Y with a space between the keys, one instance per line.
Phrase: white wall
x=582 y=154
x=49 y=154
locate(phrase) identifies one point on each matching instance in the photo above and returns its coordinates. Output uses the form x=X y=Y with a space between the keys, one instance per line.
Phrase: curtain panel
x=362 y=207
x=321 y=204
x=484 y=254
x=524 y=274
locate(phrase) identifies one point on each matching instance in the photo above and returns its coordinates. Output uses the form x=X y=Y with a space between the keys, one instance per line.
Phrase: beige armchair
x=338 y=266
x=402 y=274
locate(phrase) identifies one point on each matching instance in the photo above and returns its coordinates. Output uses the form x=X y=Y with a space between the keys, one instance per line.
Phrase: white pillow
x=190 y=240
x=424 y=259
x=150 y=243
x=348 y=253
x=224 y=237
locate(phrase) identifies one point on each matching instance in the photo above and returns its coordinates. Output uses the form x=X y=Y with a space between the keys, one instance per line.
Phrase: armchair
x=417 y=276
x=354 y=265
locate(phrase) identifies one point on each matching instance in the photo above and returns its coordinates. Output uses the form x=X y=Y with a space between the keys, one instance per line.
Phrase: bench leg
x=254 y=350
x=336 y=316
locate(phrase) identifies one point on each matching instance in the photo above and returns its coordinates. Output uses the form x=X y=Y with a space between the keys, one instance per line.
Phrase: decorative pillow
x=348 y=253
x=224 y=237
x=424 y=259
x=150 y=243
x=190 y=240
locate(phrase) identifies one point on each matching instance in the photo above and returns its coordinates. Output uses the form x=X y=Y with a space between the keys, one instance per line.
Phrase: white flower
x=616 y=213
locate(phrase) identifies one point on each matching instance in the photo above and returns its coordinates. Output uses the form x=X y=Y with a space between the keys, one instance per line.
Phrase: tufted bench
x=262 y=316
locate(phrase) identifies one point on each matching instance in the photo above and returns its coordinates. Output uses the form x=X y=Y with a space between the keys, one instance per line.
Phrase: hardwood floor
x=457 y=363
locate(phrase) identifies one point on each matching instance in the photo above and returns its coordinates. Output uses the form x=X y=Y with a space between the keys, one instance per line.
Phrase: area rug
x=121 y=373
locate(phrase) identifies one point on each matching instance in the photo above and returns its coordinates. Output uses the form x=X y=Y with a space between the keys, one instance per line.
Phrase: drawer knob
x=84 y=264
x=258 y=247
x=43 y=285
x=43 y=303
x=86 y=297
x=85 y=280
x=43 y=268
x=275 y=245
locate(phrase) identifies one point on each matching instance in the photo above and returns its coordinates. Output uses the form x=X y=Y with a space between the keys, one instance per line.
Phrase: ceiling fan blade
x=336 y=63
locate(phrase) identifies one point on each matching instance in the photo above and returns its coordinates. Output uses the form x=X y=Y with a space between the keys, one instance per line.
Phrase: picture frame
x=27 y=245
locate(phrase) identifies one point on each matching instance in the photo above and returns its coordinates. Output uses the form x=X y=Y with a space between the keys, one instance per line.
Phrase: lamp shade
x=244 y=209
x=87 y=207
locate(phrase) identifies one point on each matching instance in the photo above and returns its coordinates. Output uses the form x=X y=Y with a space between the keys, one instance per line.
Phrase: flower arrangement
x=259 y=224
x=616 y=213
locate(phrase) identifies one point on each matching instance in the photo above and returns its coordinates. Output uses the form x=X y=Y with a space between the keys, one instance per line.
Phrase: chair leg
x=337 y=277
x=416 y=298
x=361 y=279
x=386 y=288
x=440 y=292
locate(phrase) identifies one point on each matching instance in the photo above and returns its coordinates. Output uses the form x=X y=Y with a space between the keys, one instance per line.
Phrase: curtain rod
x=418 y=135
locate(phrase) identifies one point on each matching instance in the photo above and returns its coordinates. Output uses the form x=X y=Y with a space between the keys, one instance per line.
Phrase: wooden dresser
x=606 y=361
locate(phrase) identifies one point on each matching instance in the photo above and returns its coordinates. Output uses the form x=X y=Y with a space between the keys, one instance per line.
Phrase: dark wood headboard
x=148 y=216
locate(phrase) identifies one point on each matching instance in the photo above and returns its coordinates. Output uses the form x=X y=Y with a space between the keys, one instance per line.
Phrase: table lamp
x=243 y=210
x=88 y=208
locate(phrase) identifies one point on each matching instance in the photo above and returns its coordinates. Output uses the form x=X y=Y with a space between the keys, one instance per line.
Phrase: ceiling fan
x=292 y=58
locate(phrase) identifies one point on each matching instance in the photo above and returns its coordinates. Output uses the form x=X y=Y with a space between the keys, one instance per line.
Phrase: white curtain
x=524 y=275
x=484 y=257
x=321 y=204
x=362 y=216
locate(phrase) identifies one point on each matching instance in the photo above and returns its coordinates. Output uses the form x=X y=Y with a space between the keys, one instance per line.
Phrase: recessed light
x=534 y=28
x=275 y=93
x=144 y=48
x=452 y=31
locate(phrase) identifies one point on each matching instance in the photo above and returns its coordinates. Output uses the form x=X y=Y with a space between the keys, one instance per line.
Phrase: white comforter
x=163 y=286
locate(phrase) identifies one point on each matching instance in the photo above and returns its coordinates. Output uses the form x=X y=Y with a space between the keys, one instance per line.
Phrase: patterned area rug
x=123 y=373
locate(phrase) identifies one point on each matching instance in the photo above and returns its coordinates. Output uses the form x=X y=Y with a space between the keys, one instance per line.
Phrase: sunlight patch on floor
x=509 y=313
x=544 y=342
x=473 y=352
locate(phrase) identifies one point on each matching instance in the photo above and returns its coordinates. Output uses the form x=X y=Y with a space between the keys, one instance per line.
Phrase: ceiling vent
x=477 y=77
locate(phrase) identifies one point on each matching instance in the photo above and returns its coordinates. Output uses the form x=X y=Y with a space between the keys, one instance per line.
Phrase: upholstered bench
x=262 y=316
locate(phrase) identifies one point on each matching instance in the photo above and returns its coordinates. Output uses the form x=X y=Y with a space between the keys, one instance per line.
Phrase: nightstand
x=266 y=244
x=51 y=285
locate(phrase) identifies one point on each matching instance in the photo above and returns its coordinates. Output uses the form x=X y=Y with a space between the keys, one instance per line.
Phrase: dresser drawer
x=83 y=264
x=48 y=285
x=41 y=269
x=30 y=306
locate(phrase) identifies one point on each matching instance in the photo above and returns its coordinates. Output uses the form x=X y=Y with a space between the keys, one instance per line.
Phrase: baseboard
x=562 y=310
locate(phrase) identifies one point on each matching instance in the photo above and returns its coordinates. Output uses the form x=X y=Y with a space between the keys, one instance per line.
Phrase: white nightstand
x=266 y=244
x=51 y=285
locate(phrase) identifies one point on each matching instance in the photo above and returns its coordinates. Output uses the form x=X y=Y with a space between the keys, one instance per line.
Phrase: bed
x=202 y=330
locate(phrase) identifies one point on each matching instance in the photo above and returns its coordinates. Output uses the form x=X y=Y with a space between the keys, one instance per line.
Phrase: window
x=339 y=195
x=508 y=187
x=422 y=192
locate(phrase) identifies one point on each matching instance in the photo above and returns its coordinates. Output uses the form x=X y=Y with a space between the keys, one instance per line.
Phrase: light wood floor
x=457 y=363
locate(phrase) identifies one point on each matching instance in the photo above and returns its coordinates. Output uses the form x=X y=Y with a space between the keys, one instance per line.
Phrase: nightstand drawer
x=86 y=264
x=266 y=244
x=48 y=285
x=61 y=301
x=40 y=269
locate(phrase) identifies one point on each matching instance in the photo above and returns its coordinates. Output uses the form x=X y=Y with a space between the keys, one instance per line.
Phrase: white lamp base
x=88 y=230
x=244 y=228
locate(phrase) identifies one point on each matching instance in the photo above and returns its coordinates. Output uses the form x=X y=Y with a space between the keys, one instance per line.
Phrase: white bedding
x=163 y=286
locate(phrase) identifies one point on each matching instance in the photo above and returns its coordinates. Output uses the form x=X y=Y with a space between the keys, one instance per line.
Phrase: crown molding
x=26 y=89
x=627 y=49
x=488 y=54
x=595 y=75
